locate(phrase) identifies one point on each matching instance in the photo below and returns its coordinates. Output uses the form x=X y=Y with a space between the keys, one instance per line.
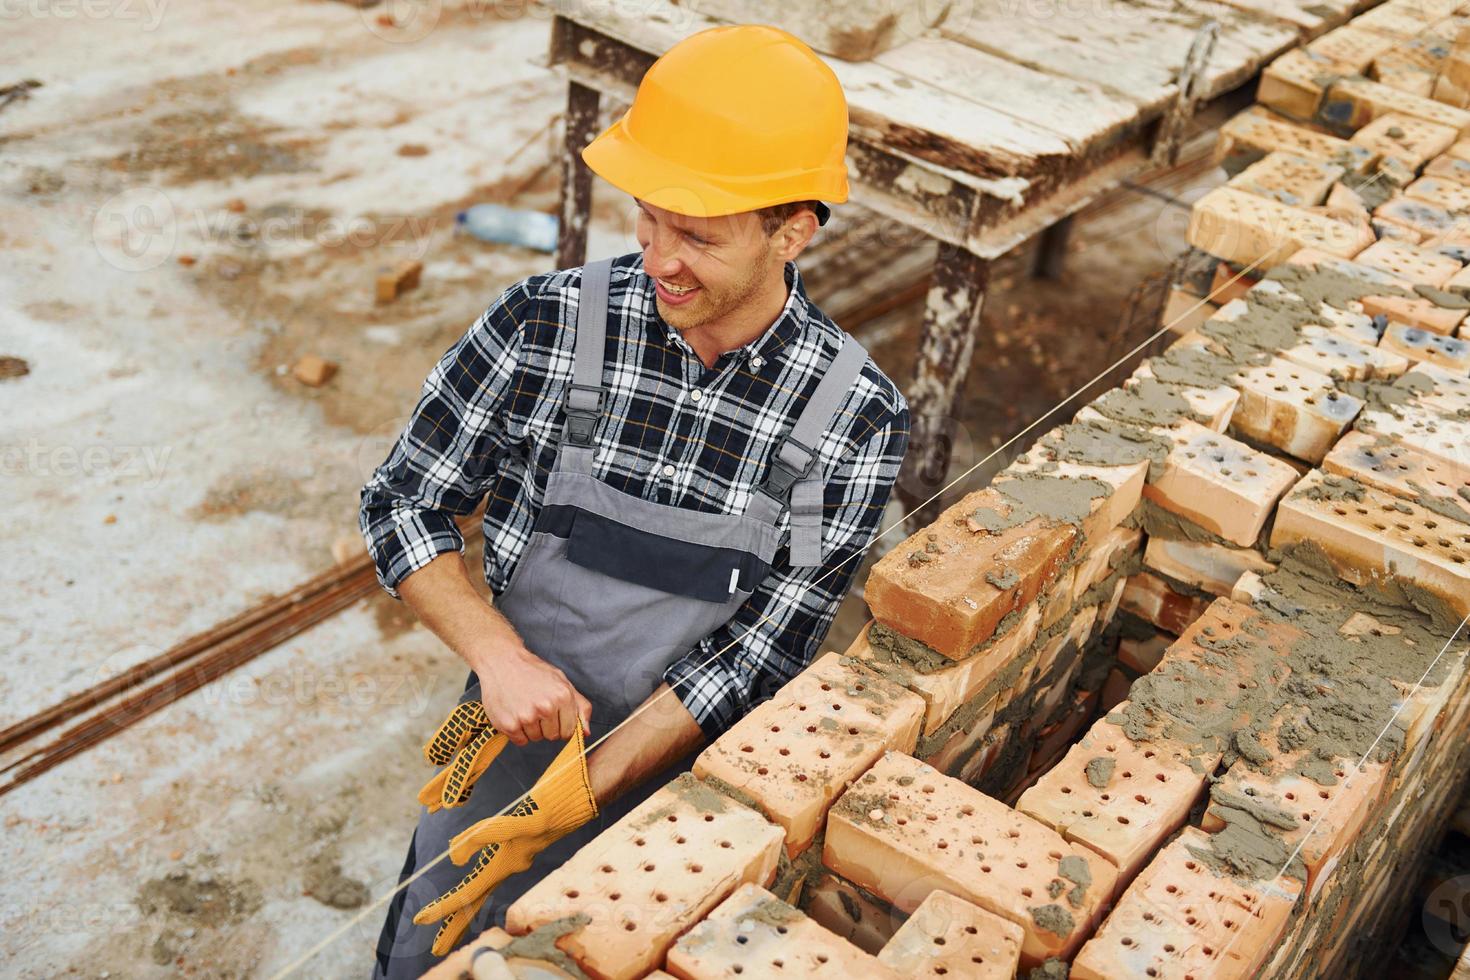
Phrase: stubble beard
x=712 y=305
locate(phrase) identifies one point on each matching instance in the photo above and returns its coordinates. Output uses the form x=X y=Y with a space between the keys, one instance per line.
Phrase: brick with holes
x=1369 y=536
x=1352 y=46
x=946 y=689
x=1204 y=564
x=1289 y=178
x=1440 y=388
x=1420 y=217
x=1293 y=408
x=1293 y=84
x=1442 y=192
x=1413 y=311
x=1401 y=471
x=905 y=830
x=1404 y=142
x=1426 y=347
x=1409 y=263
x=1151 y=599
x=1352 y=103
x=948 y=936
x=1180 y=918
x=1240 y=227
x=1203 y=684
x=1317 y=823
x=1219 y=483
x=1119 y=797
x=1108 y=510
x=1250 y=135
x=1449 y=167
x=1426 y=429
x=1213 y=405
x=1326 y=351
x=794 y=753
x=940 y=587
x=649 y=877
x=755 y=932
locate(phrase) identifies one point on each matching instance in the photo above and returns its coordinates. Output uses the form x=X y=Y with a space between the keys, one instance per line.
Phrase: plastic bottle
x=509 y=226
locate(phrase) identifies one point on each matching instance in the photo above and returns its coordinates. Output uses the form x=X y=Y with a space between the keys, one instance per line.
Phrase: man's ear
x=795 y=234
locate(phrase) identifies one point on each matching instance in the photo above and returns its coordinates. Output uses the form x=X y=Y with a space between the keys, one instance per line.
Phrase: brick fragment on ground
x=313 y=371
x=399 y=280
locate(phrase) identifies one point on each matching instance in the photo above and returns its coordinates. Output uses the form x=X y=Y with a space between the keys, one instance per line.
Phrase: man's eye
x=697 y=240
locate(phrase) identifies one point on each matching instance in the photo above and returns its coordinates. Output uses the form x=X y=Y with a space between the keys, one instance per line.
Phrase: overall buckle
x=784 y=474
x=581 y=419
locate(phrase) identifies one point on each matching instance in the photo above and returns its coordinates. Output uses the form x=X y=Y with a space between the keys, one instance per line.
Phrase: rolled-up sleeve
x=442 y=464
x=775 y=633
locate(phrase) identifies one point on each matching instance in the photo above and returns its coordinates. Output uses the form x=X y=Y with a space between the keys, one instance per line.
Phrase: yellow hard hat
x=730 y=119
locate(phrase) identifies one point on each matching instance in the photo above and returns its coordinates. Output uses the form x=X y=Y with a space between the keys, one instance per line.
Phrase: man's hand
x=524 y=696
x=528 y=699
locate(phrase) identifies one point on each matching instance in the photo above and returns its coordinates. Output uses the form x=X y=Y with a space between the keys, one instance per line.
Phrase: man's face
x=725 y=260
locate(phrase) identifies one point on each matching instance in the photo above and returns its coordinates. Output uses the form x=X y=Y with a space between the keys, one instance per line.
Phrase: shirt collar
x=786 y=327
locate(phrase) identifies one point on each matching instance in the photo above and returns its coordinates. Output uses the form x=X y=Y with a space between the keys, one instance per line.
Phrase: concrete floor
x=164 y=471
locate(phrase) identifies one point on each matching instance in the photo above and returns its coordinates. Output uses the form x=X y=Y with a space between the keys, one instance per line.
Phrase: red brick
x=1219 y=483
x=403 y=277
x=1145 y=796
x=794 y=753
x=1295 y=409
x=1181 y=919
x=1204 y=564
x=950 y=936
x=841 y=907
x=1426 y=346
x=1427 y=430
x=1142 y=656
x=1378 y=536
x=1355 y=102
x=1406 y=142
x=1245 y=229
x=1107 y=511
x=1409 y=262
x=1258 y=131
x=934 y=586
x=650 y=876
x=1329 y=818
x=1398 y=469
x=1288 y=177
x=1440 y=191
x=947 y=688
x=1151 y=599
x=909 y=830
x=755 y=931
x=1330 y=353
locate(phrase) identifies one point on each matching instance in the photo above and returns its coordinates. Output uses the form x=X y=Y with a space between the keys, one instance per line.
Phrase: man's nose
x=660 y=256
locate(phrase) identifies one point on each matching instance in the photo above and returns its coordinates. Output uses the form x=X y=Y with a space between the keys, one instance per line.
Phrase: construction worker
x=684 y=460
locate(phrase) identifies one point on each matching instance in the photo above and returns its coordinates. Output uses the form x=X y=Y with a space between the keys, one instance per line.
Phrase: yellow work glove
x=464 y=745
x=559 y=803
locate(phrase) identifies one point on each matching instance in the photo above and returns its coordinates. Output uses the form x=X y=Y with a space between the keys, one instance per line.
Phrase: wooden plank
x=1085 y=115
x=1310 y=17
x=885 y=107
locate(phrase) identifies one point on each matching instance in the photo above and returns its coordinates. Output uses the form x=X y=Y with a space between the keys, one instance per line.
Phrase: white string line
x=339 y=931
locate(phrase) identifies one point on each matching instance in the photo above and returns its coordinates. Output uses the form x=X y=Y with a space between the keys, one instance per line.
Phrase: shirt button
x=669 y=469
x=696 y=395
x=757 y=362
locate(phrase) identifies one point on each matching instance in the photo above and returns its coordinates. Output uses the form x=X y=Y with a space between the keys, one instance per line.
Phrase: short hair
x=775 y=216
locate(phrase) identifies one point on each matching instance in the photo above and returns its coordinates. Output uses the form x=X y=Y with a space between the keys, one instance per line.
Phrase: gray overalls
x=612 y=589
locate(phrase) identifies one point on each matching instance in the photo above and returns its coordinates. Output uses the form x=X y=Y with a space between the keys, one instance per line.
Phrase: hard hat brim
x=619 y=159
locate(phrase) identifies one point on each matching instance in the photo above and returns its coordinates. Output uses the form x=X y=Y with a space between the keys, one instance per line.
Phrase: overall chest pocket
x=644 y=557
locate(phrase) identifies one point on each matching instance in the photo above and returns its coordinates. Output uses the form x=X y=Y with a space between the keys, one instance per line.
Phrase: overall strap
x=586 y=396
x=794 y=480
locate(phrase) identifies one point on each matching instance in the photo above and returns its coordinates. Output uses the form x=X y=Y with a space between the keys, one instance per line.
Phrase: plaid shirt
x=673 y=432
